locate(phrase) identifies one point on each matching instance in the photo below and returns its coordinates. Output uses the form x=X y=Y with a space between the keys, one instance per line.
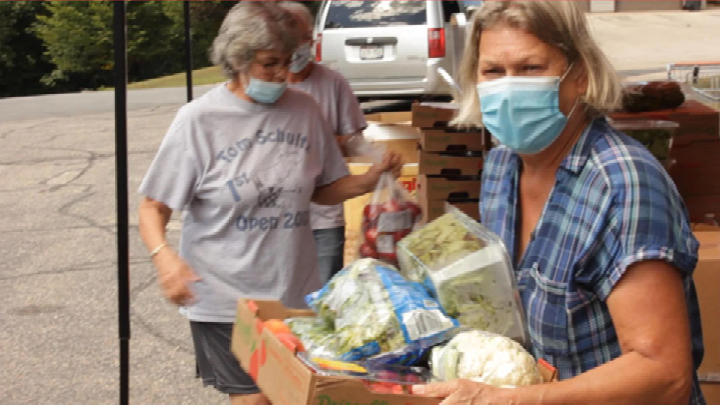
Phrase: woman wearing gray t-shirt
x=243 y=162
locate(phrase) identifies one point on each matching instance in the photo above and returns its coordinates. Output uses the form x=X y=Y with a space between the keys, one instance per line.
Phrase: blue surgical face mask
x=301 y=58
x=523 y=113
x=264 y=92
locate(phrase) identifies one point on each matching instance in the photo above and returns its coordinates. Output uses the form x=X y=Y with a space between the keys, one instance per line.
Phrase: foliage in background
x=56 y=46
x=22 y=62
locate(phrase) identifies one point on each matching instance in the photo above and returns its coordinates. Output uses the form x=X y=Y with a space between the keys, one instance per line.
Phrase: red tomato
x=399 y=235
x=368 y=251
x=371 y=212
x=371 y=236
x=391 y=206
x=414 y=208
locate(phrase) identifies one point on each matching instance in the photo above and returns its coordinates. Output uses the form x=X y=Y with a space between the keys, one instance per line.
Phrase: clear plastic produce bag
x=485 y=357
x=468 y=269
x=376 y=313
x=390 y=215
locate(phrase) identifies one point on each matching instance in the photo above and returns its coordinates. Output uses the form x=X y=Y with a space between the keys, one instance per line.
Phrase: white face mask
x=301 y=58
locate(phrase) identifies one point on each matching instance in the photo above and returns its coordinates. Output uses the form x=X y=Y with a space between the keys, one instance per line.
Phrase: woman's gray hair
x=300 y=11
x=557 y=23
x=252 y=26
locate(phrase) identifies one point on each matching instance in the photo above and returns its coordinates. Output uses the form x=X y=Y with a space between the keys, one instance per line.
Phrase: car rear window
x=361 y=14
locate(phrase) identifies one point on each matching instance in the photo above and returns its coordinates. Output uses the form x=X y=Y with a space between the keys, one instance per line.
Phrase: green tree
x=205 y=20
x=78 y=36
x=22 y=60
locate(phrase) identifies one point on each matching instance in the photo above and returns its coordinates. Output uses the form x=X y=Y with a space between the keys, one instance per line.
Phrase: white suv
x=390 y=49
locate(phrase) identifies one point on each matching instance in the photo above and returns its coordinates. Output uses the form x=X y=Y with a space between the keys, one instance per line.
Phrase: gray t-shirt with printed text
x=342 y=111
x=244 y=174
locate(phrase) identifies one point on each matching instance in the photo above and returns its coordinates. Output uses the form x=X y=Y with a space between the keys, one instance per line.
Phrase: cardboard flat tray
x=285 y=380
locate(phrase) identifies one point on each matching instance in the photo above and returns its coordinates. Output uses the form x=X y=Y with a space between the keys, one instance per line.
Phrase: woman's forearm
x=153 y=219
x=344 y=189
x=631 y=379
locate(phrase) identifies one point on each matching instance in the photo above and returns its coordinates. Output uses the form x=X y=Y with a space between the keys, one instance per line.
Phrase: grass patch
x=208 y=75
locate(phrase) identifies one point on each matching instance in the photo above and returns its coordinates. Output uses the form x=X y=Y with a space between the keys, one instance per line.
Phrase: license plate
x=371 y=52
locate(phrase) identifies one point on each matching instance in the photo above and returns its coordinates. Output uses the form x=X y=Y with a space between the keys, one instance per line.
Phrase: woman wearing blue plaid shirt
x=601 y=239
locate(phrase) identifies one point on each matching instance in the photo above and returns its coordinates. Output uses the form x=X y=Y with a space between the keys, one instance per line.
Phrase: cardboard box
x=391 y=131
x=433 y=115
x=446 y=140
x=695 y=170
x=286 y=381
x=699 y=206
x=707 y=284
x=439 y=164
x=711 y=391
x=442 y=188
x=433 y=209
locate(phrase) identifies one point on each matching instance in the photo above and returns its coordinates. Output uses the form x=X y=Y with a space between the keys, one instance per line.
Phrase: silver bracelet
x=157 y=250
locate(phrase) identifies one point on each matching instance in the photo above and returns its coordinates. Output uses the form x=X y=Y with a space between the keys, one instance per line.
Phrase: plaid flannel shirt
x=613 y=205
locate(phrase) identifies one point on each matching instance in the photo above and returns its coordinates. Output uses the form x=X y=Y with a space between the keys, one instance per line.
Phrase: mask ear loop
x=577 y=100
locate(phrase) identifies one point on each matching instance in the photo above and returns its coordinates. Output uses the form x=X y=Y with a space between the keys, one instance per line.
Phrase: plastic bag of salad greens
x=376 y=313
x=485 y=357
x=315 y=334
x=467 y=268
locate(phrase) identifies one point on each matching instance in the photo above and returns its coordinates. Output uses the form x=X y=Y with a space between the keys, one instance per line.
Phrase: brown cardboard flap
x=276 y=310
x=273 y=366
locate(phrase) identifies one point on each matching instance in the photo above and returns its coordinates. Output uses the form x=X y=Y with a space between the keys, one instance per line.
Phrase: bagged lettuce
x=485 y=357
x=376 y=313
x=467 y=268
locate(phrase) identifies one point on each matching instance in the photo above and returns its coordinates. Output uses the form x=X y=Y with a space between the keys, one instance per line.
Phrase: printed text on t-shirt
x=261 y=137
x=289 y=220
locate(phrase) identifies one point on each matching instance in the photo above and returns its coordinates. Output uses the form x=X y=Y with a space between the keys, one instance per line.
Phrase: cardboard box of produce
x=445 y=140
x=707 y=284
x=442 y=188
x=449 y=165
x=433 y=115
x=286 y=380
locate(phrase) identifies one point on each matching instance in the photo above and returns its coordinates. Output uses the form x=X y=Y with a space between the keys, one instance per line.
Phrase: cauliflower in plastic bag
x=485 y=357
x=372 y=309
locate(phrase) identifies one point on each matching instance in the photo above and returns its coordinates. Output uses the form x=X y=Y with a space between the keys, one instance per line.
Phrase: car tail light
x=436 y=42
x=318 y=48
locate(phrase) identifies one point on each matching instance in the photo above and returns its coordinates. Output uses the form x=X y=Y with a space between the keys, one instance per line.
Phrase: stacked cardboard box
x=707 y=284
x=450 y=161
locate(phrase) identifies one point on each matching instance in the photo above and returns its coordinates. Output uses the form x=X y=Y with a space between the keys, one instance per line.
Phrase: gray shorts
x=215 y=362
x=330 y=245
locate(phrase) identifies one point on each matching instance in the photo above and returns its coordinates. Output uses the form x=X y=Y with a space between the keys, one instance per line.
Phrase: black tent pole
x=188 y=50
x=121 y=179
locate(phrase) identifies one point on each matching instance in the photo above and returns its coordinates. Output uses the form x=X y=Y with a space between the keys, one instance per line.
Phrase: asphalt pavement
x=58 y=296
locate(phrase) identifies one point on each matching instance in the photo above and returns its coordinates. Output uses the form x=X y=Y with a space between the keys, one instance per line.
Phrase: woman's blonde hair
x=557 y=23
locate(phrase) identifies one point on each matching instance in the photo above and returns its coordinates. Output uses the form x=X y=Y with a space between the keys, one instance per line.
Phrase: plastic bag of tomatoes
x=390 y=216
